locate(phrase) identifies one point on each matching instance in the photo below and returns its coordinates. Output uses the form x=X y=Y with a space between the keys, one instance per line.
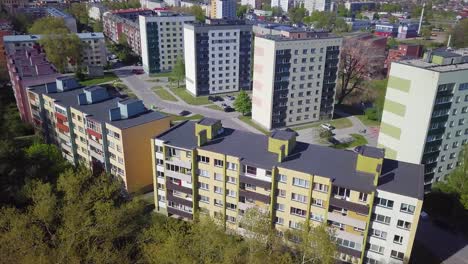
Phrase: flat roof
x=422 y=63
x=33 y=37
x=338 y=165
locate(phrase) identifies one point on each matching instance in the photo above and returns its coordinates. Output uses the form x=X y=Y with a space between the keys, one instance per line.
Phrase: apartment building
x=124 y=23
x=162 y=39
x=358 y=6
x=101 y=131
x=37 y=12
x=223 y=9
x=255 y=4
x=294 y=78
x=93 y=52
x=425 y=116
x=26 y=67
x=201 y=167
x=318 y=5
x=283 y=4
x=217 y=56
x=5 y=29
x=404 y=51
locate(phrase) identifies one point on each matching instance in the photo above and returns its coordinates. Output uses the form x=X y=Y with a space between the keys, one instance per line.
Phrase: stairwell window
x=321 y=187
x=231 y=166
x=381 y=218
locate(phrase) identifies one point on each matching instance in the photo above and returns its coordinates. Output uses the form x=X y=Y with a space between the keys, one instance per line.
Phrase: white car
x=327 y=126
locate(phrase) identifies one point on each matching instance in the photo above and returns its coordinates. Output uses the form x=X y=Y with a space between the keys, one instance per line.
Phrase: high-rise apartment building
x=98 y=130
x=162 y=40
x=217 y=56
x=371 y=202
x=294 y=78
x=318 y=5
x=425 y=116
x=223 y=9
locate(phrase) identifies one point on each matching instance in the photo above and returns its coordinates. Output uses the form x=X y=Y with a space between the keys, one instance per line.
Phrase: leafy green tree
x=342 y=11
x=277 y=11
x=460 y=34
x=198 y=12
x=62 y=49
x=46 y=162
x=457 y=182
x=243 y=103
x=241 y=10
x=178 y=72
x=80 y=12
x=49 y=25
x=297 y=14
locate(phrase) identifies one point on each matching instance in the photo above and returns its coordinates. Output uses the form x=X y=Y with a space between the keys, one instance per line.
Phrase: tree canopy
x=243 y=103
x=178 y=72
x=49 y=25
x=460 y=34
x=297 y=14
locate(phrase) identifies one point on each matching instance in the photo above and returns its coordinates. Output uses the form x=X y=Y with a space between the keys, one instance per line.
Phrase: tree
x=297 y=14
x=342 y=11
x=242 y=10
x=80 y=12
x=243 y=103
x=460 y=34
x=357 y=62
x=49 y=25
x=62 y=49
x=178 y=72
x=276 y=11
x=313 y=244
x=457 y=182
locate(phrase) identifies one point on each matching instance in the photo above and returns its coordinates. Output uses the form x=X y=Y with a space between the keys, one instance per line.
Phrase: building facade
x=162 y=40
x=358 y=6
x=294 y=78
x=36 y=12
x=5 y=29
x=386 y=30
x=223 y=9
x=318 y=5
x=425 y=116
x=95 y=129
x=217 y=56
x=283 y=4
x=201 y=167
x=404 y=51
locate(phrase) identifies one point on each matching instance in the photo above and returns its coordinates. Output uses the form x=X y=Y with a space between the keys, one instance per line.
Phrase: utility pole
x=421 y=19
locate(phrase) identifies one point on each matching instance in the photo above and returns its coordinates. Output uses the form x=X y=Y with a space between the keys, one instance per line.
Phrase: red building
x=5 y=30
x=28 y=67
x=404 y=51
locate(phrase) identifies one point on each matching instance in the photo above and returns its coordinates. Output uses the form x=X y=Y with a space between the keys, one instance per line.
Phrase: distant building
x=425 y=114
x=408 y=30
x=294 y=78
x=283 y=4
x=223 y=9
x=5 y=29
x=12 y=5
x=318 y=5
x=205 y=5
x=159 y=50
x=403 y=52
x=40 y=12
x=124 y=23
x=96 y=10
x=358 y=24
x=98 y=130
x=377 y=54
x=152 y=4
x=358 y=6
x=217 y=56
x=386 y=30
x=255 y=4
x=93 y=53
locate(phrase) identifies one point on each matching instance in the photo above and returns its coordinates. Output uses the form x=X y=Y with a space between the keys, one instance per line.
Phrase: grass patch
x=161 y=74
x=108 y=77
x=248 y=121
x=337 y=123
x=359 y=140
x=367 y=122
x=215 y=107
x=165 y=95
x=123 y=89
x=183 y=94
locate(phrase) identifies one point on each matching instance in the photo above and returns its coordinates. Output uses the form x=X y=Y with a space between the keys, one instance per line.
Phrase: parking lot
x=225 y=102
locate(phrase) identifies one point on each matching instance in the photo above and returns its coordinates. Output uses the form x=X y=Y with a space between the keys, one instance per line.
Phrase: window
x=316 y=217
x=231 y=180
x=376 y=248
x=203 y=173
x=384 y=202
x=406 y=208
x=381 y=218
x=204 y=199
x=231 y=166
x=398 y=239
x=299 y=198
x=397 y=255
x=250 y=170
x=281 y=193
x=218 y=176
x=231 y=206
x=159 y=149
x=280 y=207
x=218 y=190
x=282 y=178
x=320 y=187
x=218 y=163
x=363 y=197
x=404 y=224
x=203 y=186
x=317 y=202
x=160 y=174
x=279 y=221
x=294 y=225
x=231 y=193
x=301 y=183
x=341 y=192
x=378 y=234
x=218 y=202
x=371 y=261
x=159 y=161
x=298 y=212
x=463 y=86
x=203 y=159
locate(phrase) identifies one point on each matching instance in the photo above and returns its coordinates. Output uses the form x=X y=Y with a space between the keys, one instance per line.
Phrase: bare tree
x=358 y=60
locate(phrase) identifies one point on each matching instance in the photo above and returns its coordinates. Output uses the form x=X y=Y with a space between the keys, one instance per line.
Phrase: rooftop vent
x=127 y=108
x=93 y=95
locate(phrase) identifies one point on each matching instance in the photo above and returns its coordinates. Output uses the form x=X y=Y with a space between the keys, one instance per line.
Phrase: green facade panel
x=399 y=84
x=394 y=107
x=389 y=152
x=390 y=130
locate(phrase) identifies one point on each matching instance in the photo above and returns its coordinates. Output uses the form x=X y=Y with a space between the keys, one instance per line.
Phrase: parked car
x=230 y=97
x=185 y=113
x=327 y=126
x=219 y=98
x=224 y=105
x=228 y=109
x=212 y=98
x=138 y=71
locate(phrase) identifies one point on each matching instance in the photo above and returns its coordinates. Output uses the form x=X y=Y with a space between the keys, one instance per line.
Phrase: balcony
x=178 y=162
x=61 y=117
x=95 y=144
x=349 y=251
x=94 y=133
x=254 y=181
x=358 y=208
x=172 y=186
x=339 y=218
x=62 y=128
x=178 y=175
x=179 y=200
x=255 y=196
x=245 y=206
x=96 y=155
x=175 y=211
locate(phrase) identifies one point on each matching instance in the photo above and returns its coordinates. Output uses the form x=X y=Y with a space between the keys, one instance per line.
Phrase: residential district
x=319 y=112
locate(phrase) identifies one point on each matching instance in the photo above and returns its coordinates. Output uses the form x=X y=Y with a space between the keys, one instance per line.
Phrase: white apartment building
x=162 y=40
x=217 y=56
x=223 y=9
x=425 y=116
x=294 y=78
x=284 y=4
x=317 y=5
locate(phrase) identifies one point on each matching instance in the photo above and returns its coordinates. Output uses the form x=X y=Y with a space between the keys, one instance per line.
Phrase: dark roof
x=338 y=165
x=402 y=178
x=371 y=152
x=445 y=53
x=283 y=134
x=208 y=121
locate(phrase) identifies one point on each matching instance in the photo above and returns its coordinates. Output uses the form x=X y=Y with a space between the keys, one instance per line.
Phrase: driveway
x=142 y=90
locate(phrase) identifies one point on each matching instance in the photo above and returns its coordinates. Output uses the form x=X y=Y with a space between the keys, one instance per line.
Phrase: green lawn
x=366 y=121
x=215 y=107
x=337 y=123
x=183 y=94
x=359 y=140
x=164 y=94
x=98 y=80
x=161 y=74
x=248 y=121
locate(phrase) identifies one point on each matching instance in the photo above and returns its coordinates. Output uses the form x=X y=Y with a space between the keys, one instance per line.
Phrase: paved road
x=143 y=90
x=451 y=248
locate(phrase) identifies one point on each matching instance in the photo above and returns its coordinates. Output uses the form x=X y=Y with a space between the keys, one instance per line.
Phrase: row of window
x=383 y=219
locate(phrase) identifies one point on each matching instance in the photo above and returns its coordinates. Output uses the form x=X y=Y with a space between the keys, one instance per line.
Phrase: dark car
x=228 y=109
x=138 y=71
x=185 y=113
x=212 y=98
x=219 y=98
